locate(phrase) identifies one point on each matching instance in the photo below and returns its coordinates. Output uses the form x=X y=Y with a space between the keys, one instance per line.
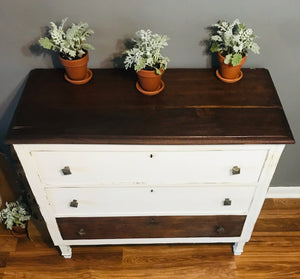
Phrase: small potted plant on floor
x=232 y=42
x=15 y=217
x=72 y=48
x=147 y=61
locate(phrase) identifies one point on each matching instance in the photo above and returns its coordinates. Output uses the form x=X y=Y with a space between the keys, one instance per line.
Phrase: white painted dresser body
x=149 y=180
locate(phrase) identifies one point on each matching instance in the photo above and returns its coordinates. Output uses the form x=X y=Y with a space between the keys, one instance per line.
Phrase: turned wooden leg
x=238 y=248
x=66 y=251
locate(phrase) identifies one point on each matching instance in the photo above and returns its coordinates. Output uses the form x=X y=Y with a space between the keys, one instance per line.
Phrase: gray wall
x=277 y=23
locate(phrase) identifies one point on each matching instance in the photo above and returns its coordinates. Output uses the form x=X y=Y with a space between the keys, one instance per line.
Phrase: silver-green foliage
x=71 y=44
x=233 y=40
x=145 y=54
x=15 y=214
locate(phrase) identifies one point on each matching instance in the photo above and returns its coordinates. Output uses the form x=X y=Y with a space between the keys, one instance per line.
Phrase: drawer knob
x=227 y=201
x=66 y=170
x=74 y=203
x=151 y=155
x=81 y=232
x=236 y=170
x=220 y=229
x=153 y=221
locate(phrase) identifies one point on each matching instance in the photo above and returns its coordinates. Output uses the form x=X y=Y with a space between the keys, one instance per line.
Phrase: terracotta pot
x=149 y=80
x=17 y=231
x=228 y=71
x=76 y=69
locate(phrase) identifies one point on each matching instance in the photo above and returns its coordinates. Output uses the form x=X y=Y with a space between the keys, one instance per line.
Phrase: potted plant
x=232 y=42
x=15 y=217
x=72 y=48
x=147 y=61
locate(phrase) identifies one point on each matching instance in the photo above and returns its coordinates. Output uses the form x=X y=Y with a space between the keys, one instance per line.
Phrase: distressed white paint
x=151 y=167
x=116 y=180
x=142 y=201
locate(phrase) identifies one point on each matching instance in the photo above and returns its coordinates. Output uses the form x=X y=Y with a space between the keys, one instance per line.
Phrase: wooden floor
x=273 y=252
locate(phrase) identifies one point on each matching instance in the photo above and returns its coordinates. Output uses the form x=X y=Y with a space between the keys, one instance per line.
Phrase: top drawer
x=71 y=168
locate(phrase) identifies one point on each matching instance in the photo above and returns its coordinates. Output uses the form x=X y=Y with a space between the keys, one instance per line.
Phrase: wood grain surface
x=272 y=253
x=150 y=226
x=194 y=108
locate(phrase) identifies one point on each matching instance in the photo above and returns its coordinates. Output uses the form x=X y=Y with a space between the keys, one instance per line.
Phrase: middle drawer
x=144 y=201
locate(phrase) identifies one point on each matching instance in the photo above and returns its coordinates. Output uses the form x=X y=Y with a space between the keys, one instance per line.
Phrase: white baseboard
x=287 y=192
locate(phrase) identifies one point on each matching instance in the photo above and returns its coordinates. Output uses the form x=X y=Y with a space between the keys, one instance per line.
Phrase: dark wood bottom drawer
x=150 y=227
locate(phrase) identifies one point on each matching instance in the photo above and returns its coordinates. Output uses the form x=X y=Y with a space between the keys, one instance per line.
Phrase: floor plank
x=273 y=252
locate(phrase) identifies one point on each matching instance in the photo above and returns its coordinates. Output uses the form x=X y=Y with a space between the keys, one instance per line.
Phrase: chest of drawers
x=108 y=165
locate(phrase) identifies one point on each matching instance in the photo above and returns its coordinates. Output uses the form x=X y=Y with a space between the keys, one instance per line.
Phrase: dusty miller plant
x=145 y=53
x=15 y=214
x=233 y=40
x=71 y=44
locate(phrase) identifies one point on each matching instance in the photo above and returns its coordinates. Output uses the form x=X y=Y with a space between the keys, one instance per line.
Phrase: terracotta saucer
x=83 y=81
x=150 y=93
x=227 y=80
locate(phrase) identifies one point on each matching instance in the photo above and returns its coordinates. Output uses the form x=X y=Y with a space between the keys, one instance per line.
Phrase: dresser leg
x=238 y=248
x=66 y=251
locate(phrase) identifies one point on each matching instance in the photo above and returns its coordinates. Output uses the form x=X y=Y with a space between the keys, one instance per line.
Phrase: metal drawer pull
x=151 y=155
x=74 y=203
x=220 y=229
x=81 y=232
x=66 y=170
x=236 y=170
x=153 y=221
x=227 y=201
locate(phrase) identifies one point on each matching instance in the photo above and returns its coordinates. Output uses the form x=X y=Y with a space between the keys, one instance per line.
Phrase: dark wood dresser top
x=194 y=108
